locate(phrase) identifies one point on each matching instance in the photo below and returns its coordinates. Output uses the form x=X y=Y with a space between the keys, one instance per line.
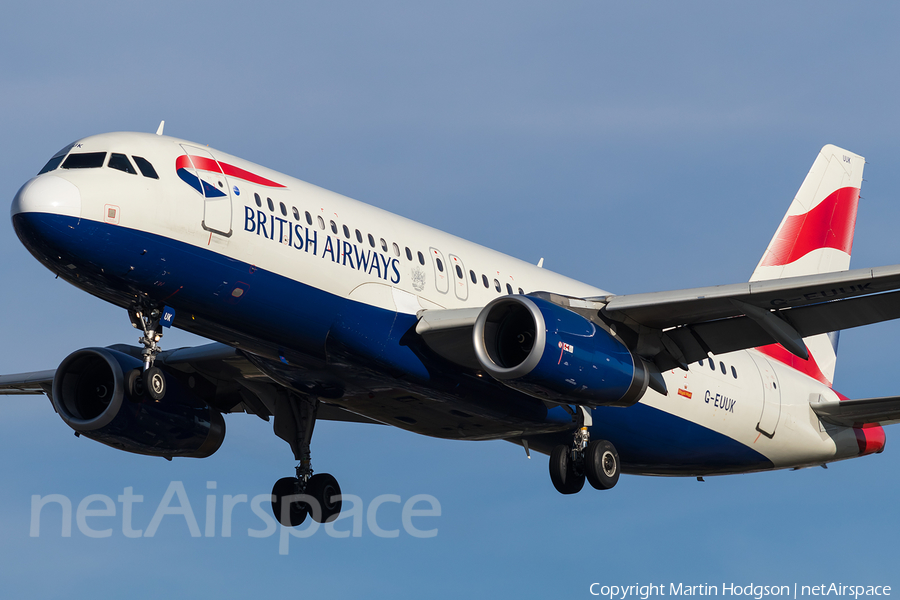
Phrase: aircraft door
x=458 y=273
x=771 y=405
x=441 y=277
x=216 y=190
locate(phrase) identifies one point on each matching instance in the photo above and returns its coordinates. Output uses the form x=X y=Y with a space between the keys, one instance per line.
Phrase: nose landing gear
x=147 y=320
x=597 y=461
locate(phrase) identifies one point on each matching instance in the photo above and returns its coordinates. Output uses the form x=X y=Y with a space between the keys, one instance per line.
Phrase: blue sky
x=638 y=147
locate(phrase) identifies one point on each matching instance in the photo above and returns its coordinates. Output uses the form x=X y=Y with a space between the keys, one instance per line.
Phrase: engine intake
x=98 y=392
x=553 y=353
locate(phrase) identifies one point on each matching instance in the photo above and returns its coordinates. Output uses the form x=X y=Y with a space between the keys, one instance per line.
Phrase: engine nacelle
x=98 y=392
x=553 y=353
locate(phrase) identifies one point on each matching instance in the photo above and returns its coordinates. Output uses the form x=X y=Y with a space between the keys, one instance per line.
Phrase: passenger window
x=120 y=162
x=497 y=286
x=333 y=227
x=88 y=160
x=408 y=254
x=473 y=277
x=440 y=265
x=421 y=259
x=396 y=249
x=372 y=241
x=296 y=213
x=321 y=222
x=521 y=293
x=485 y=281
x=358 y=236
x=52 y=164
x=734 y=372
x=383 y=244
x=700 y=362
x=283 y=209
x=712 y=364
x=258 y=200
x=509 y=289
x=722 y=366
x=346 y=232
x=271 y=204
x=146 y=168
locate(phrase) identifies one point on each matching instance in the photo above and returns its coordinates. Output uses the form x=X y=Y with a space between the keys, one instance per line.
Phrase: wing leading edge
x=237 y=384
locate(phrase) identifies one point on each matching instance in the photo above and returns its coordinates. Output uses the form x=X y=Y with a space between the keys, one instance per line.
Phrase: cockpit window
x=52 y=164
x=146 y=168
x=57 y=158
x=120 y=162
x=86 y=160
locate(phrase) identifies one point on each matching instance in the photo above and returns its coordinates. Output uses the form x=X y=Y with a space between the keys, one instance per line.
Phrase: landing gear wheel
x=135 y=384
x=155 y=383
x=296 y=514
x=601 y=464
x=564 y=473
x=323 y=487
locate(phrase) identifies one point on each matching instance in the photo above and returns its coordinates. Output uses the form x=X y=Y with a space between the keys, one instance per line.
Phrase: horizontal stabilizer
x=855 y=413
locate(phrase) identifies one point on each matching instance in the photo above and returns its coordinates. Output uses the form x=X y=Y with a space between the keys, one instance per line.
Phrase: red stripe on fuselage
x=829 y=225
x=807 y=367
x=208 y=164
x=869 y=438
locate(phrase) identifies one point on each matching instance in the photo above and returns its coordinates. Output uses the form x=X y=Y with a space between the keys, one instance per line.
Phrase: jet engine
x=553 y=353
x=99 y=393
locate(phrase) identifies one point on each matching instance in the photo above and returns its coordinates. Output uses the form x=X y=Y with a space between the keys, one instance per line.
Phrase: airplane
x=323 y=307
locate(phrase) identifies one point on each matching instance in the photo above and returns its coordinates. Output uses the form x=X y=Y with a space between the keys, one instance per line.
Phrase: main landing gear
x=147 y=320
x=597 y=461
x=293 y=498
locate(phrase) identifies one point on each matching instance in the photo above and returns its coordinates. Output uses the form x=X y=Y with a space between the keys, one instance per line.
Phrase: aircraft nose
x=48 y=194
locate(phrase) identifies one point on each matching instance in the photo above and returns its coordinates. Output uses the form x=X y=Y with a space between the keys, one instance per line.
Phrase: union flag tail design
x=816 y=236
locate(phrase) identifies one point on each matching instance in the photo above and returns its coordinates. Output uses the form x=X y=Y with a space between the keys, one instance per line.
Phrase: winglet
x=159 y=131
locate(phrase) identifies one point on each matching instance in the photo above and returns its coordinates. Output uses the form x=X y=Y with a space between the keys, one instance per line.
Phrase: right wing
x=676 y=328
x=680 y=327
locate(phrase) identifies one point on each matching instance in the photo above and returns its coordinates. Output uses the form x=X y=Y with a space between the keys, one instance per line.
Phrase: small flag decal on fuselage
x=684 y=393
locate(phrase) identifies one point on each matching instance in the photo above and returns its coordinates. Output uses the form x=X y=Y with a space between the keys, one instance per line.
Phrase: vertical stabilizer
x=816 y=236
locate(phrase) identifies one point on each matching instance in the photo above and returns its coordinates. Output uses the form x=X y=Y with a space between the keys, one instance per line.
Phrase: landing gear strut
x=317 y=495
x=597 y=461
x=147 y=320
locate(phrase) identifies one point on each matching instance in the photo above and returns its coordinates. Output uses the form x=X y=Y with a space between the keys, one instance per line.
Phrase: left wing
x=234 y=383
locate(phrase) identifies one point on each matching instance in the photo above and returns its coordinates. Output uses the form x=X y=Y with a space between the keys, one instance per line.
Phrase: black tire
x=564 y=472
x=323 y=487
x=155 y=383
x=601 y=464
x=135 y=384
x=288 y=486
